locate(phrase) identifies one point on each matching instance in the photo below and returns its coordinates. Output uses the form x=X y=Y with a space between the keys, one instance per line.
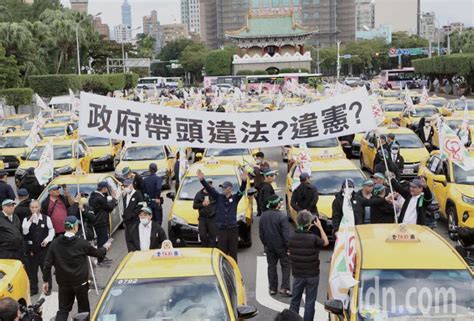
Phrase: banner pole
x=389 y=180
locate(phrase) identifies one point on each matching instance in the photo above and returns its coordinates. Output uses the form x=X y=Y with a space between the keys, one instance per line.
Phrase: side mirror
x=198 y=156
x=334 y=306
x=84 y=316
x=171 y=195
x=246 y=311
x=252 y=191
x=440 y=179
x=23 y=157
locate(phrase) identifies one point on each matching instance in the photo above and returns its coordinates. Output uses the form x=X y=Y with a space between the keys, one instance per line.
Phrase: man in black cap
x=137 y=179
x=152 y=191
x=206 y=206
x=22 y=210
x=31 y=184
x=417 y=199
x=11 y=238
x=146 y=234
x=226 y=213
x=265 y=190
x=68 y=254
x=102 y=204
x=6 y=191
x=274 y=233
x=305 y=196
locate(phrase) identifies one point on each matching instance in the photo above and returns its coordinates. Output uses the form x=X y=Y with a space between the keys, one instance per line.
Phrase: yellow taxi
x=252 y=107
x=327 y=175
x=64 y=118
x=414 y=95
x=292 y=102
x=28 y=125
x=242 y=156
x=268 y=103
x=59 y=131
x=356 y=144
x=173 y=103
x=104 y=151
x=320 y=149
x=87 y=184
x=67 y=157
x=454 y=122
x=183 y=219
x=411 y=118
x=392 y=109
x=421 y=277
x=411 y=148
x=457 y=106
x=441 y=103
x=196 y=284
x=388 y=93
x=14 y=282
x=453 y=187
x=12 y=123
x=138 y=156
x=12 y=148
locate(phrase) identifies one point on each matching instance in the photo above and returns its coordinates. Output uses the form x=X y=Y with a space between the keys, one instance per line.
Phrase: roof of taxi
x=141 y=145
x=17 y=116
x=58 y=124
x=395 y=130
x=62 y=142
x=431 y=252
x=16 y=133
x=424 y=106
x=393 y=102
x=143 y=265
x=81 y=178
x=220 y=168
x=332 y=165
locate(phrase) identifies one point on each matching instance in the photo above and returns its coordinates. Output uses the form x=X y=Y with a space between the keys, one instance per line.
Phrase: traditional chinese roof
x=270 y=25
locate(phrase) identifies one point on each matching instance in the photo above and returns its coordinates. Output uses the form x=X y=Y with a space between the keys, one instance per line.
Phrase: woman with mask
x=146 y=234
x=425 y=131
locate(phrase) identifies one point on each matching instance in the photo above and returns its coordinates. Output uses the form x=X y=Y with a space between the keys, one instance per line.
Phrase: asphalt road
x=252 y=263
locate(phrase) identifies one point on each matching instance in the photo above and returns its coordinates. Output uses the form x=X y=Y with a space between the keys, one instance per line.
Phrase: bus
x=397 y=78
x=210 y=82
x=158 y=82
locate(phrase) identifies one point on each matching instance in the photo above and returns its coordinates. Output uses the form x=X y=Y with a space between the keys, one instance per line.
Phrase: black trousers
x=36 y=262
x=207 y=231
x=127 y=228
x=228 y=241
x=66 y=296
x=102 y=237
x=157 y=211
x=272 y=260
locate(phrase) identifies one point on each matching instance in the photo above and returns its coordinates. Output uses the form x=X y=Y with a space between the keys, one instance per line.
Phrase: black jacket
x=274 y=230
x=101 y=208
x=45 y=205
x=87 y=216
x=305 y=197
x=30 y=183
x=138 y=184
x=11 y=237
x=152 y=186
x=380 y=211
x=423 y=202
x=204 y=211
x=304 y=254
x=265 y=191
x=6 y=192
x=68 y=255
x=157 y=236
x=357 y=207
x=394 y=167
x=130 y=212
x=22 y=210
x=421 y=133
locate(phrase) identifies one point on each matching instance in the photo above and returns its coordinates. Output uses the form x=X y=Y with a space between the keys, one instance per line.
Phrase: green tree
x=401 y=39
x=173 y=49
x=219 y=62
x=192 y=60
x=463 y=41
x=146 y=46
x=9 y=71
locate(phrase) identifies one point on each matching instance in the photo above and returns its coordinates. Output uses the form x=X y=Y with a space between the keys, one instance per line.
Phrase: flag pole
x=389 y=180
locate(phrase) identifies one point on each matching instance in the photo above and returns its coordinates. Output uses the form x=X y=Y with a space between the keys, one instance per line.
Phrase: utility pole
x=338 y=67
x=77 y=43
x=317 y=58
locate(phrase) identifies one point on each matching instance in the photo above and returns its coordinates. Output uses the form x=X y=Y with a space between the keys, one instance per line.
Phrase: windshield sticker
x=116 y=292
x=109 y=317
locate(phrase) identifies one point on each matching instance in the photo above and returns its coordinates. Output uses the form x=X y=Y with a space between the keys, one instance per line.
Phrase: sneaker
x=107 y=260
x=285 y=292
x=273 y=292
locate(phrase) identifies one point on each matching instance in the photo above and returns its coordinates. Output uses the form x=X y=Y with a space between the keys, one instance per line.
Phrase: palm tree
x=146 y=46
x=5 y=14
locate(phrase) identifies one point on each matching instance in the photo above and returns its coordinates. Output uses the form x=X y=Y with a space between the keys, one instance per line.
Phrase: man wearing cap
x=206 y=206
x=226 y=213
x=266 y=190
x=417 y=199
x=68 y=254
x=133 y=201
x=102 y=204
x=395 y=162
x=378 y=178
x=22 y=210
x=11 y=238
x=152 y=185
x=146 y=234
x=6 y=191
x=56 y=205
x=137 y=179
x=382 y=212
x=274 y=233
x=39 y=232
x=366 y=193
x=305 y=196
x=31 y=184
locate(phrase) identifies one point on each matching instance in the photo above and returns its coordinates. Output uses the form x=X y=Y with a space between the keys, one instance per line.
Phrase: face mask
x=127 y=190
x=348 y=190
x=144 y=221
x=394 y=152
x=258 y=161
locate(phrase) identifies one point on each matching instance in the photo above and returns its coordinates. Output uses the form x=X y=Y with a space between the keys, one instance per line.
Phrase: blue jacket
x=226 y=208
x=152 y=186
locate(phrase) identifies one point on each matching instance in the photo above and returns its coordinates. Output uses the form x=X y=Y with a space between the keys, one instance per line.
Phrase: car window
x=191 y=185
x=229 y=280
x=433 y=164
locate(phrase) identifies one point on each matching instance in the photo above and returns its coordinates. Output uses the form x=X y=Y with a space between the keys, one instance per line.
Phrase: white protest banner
x=108 y=117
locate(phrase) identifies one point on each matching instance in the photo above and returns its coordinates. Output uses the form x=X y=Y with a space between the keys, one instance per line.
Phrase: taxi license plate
x=408 y=171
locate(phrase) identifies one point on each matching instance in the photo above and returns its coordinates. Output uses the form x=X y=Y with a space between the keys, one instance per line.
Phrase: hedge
x=244 y=73
x=17 y=96
x=293 y=70
x=56 y=85
x=455 y=64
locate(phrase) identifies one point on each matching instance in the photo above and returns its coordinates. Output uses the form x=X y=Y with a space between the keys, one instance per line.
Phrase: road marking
x=264 y=298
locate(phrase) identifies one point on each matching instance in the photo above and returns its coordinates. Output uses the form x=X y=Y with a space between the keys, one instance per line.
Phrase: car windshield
x=455 y=124
x=408 y=141
x=461 y=104
x=12 y=122
x=52 y=131
x=324 y=143
x=394 y=107
x=85 y=189
x=191 y=185
x=140 y=153
x=390 y=94
x=60 y=152
x=95 y=141
x=27 y=126
x=423 y=112
x=216 y=152
x=177 y=299
x=63 y=118
x=13 y=142
x=462 y=176
x=417 y=294
x=330 y=182
x=437 y=102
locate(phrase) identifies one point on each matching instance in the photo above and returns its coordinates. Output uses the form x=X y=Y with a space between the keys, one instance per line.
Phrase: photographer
x=9 y=310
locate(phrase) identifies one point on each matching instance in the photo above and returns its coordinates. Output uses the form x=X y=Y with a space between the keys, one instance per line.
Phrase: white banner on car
x=108 y=117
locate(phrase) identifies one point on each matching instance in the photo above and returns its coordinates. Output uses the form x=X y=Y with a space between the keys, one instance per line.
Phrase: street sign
x=347 y=56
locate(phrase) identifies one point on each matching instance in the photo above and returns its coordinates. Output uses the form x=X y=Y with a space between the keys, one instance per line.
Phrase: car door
x=116 y=214
x=229 y=278
x=84 y=156
x=435 y=166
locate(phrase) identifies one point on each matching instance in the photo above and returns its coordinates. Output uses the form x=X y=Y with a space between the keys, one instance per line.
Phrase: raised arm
x=206 y=186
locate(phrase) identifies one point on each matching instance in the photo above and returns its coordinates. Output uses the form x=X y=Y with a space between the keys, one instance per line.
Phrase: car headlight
x=64 y=169
x=20 y=172
x=175 y=220
x=468 y=200
x=103 y=158
x=241 y=217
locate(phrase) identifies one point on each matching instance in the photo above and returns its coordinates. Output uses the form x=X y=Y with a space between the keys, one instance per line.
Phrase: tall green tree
x=219 y=63
x=192 y=60
x=401 y=39
x=9 y=71
x=463 y=41
x=173 y=49
x=146 y=46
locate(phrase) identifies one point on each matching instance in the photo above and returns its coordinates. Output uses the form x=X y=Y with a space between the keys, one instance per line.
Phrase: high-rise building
x=427 y=26
x=365 y=15
x=79 y=5
x=150 y=23
x=173 y=32
x=101 y=28
x=208 y=23
x=126 y=14
x=122 y=33
x=190 y=15
x=400 y=14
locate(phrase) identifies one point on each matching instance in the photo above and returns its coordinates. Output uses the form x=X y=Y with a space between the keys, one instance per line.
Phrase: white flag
x=34 y=137
x=183 y=163
x=40 y=102
x=45 y=170
x=424 y=96
x=2 y=113
x=75 y=103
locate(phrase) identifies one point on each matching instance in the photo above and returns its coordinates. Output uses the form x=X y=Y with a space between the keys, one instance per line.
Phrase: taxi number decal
x=127 y=281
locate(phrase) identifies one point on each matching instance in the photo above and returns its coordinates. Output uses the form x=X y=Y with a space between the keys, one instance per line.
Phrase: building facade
x=123 y=34
x=191 y=15
x=428 y=26
x=208 y=22
x=172 y=32
x=79 y=5
x=400 y=14
x=126 y=14
x=101 y=28
x=384 y=32
x=150 y=23
x=364 y=15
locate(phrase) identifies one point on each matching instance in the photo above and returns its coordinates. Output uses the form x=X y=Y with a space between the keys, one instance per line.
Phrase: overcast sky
x=168 y=10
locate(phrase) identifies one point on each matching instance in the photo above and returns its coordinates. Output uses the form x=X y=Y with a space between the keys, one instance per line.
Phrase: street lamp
x=77 y=43
x=123 y=47
x=338 y=67
x=439 y=31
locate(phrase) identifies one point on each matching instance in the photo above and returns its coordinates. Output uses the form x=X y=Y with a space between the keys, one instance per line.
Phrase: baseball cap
x=70 y=221
x=226 y=184
x=8 y=202
x=378 y=175
x=22 y=192
x=274 y=199
x=209 y=180
x=378 y=188
x=395 y=147
x=53 y=187
x=2 y=173
x=268 y=172
x=102 y=184
x=126 y=170
x=368 y=182
x=349 y=181
x=416 y=183
x=383 y=137
x=146 y=210
x=391 y=135
x=304 y=176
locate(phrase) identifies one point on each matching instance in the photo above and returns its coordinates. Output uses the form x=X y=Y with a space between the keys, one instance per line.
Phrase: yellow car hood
x=13 y=151
x=414 y=155
x=10 y=268
x=465 y=189
x=142 y=165
x=325 y=205
x=101 y=151
x=239 y=159
x=320 y=153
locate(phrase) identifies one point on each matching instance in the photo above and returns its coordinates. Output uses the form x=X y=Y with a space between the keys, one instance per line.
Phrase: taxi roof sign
x=167 y=251
x=402 y=235
x=212 y=161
